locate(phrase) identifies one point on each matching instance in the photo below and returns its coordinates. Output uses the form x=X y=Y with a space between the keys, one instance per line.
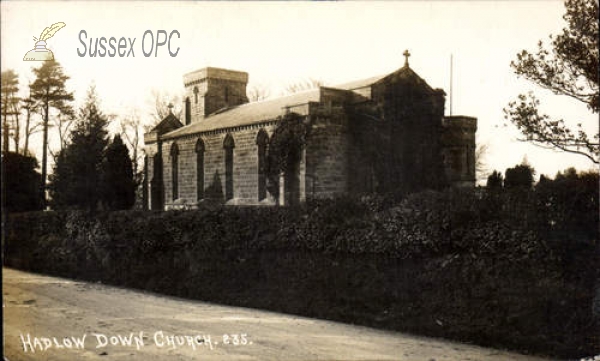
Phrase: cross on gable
x=406 y=55
x=170 y=106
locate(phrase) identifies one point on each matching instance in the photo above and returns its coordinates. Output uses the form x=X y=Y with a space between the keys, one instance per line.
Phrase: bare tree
x=63 y=123
x=481 y=168
x=258 y=92
x=303 y=85
x=160 y=103
x=132 y=132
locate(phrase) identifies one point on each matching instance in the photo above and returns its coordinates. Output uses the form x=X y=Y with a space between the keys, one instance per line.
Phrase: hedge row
x=519 y=224
x=499 y=269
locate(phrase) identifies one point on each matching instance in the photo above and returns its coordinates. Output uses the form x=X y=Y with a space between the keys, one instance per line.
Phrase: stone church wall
x=211 y=89
x=327 y=154
x=245 y=167
x=367 y=170
x=390 y=136
x=458 y=141
x=324 y=172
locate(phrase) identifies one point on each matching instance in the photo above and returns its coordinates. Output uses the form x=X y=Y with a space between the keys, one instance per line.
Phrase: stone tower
x=209 y=90
x=458 y=149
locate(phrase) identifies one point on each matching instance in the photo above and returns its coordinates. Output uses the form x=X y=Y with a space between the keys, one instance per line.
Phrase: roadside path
x=41 y=311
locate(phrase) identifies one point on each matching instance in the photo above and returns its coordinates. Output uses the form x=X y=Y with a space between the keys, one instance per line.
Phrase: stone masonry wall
x=458 y=141
x=368 y=154
x=212 y=89
x=327 y=155
x=245 y=167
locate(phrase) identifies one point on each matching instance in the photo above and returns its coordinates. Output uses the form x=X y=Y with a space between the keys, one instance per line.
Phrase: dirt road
x=48 y=318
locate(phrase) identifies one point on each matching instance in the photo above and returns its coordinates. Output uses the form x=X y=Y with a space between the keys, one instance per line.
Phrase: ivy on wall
x=285 y=148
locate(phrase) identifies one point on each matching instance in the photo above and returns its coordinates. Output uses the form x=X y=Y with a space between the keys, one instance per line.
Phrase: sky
x=280 y=43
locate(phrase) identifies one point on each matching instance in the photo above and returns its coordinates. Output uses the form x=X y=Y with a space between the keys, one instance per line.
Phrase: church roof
x=357 y=84
x=265 y=110
x=408 y=77
x=169 y=123
x=248 y=113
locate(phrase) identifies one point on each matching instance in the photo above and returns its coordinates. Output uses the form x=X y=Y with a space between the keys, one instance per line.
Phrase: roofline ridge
x=216 y=68
x=279 y=97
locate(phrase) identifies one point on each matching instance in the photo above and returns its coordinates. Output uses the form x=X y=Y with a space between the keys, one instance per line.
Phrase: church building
x=382 y=134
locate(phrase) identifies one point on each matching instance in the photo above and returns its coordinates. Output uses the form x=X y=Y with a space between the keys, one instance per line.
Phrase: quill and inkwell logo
x=40 y=53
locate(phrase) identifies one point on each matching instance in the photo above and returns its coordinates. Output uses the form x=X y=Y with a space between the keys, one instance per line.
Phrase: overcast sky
x=279 y=43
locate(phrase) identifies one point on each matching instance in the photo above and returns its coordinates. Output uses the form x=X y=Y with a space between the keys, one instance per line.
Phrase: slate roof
x=169 y=123
x=360 y=83
x=248 y=113
x=409 y=78
x=258 y=112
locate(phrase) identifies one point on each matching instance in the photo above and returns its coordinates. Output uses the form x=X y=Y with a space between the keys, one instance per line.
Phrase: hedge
x=493 y=268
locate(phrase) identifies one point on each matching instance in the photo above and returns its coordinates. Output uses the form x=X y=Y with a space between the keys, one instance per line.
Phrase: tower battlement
x=212 y=89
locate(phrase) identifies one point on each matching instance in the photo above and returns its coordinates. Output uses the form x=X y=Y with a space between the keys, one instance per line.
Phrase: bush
x=519 y=176
x=22 y=182
x=484 y=265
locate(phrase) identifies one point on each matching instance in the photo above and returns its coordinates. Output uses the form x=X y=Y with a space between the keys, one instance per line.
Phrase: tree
x=10 y=87
x=258 y=92
x=118 y=187
x=22 y=186
x=543 y=180
x=303 y=85
x=63 y=123
x=570 y=203
x=285 y=150
x=133 y=132
x=49 y=90
x=161 y=106
x=76 y=182
x=481 y=153
x=495 y=180
x=30 y=106
x=569 y=68
x=520 y=176
x=16 y=124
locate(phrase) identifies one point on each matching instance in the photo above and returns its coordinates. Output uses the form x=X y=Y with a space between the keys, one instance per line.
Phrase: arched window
x=175 y=170
x=196 y=95
x=200 y=169
x=188 y=111
x=262 y=141
x=228 y=145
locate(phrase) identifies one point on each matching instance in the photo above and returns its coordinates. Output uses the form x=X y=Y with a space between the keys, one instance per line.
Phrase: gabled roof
x=168 y=124
x=249 y=113
x=357 y=84
x=261 y=111
x=408 y=76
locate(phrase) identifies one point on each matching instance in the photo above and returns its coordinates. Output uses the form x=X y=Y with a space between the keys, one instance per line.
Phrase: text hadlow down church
x=382 y=134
